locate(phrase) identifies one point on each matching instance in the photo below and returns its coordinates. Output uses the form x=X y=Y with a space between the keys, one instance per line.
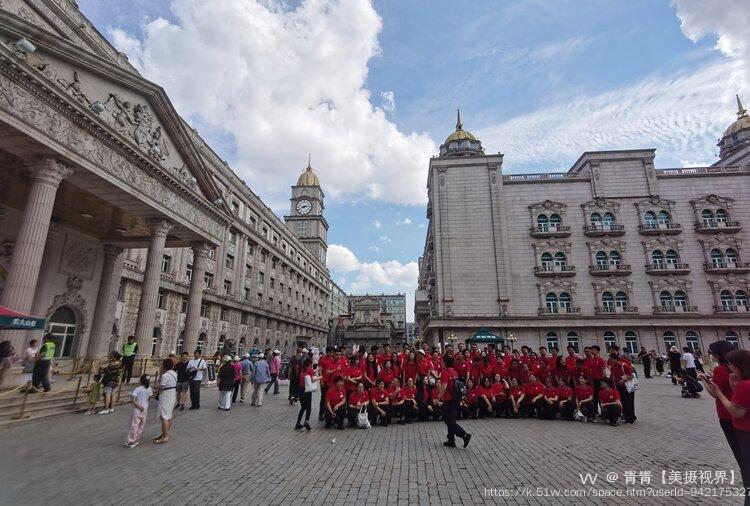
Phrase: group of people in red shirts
x=405 y=386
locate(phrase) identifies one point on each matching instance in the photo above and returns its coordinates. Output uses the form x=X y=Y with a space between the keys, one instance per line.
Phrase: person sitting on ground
x=565 y=400
x=585 y=398
x=358 y=400
x=336 y=404
x=690 y=386
x=396 y=399
x=517 y=395
x=379 y=404
x=499 y=396
x=484 y=398
x=409 y=391
x=534 y=398
x=610 y=402
x=436 y=404
x=550 y=400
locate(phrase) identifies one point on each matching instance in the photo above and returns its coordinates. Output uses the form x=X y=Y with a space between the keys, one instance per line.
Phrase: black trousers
x=567 y=408
x=395 y=411
x=235 y=390
x=627 y=399
x=595 y=404
x=338 y=416
x=40 y=374
x=410 y=411
x=611 y=413
x=322 y=405
x=376 y=417
x=549 y=411
x=743 y=440
x=502 y=408
x=305 y=407
x=646 y=368
x=587 y=409
x=691 y=372
x=195 y=393
x=734 y=444
x=450 y=412
x=127 y=368
x=484 y=411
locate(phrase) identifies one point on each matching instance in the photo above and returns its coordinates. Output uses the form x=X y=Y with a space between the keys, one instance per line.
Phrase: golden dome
x=308 y=178
x=460 y=134
x=742 y=122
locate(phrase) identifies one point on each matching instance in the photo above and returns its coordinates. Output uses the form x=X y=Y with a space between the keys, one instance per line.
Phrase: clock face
x=304 y=206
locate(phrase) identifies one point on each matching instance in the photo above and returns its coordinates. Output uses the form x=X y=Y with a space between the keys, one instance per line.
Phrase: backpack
x=459 y=389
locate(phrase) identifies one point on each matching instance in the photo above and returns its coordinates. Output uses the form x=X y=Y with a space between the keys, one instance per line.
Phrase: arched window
x=156 y=337
x=552 y=341
x=574 y=341
x=241 y=347
x=542 y=222
x=731 y=337
x=727 y=300
x=721 y=216
x=621 y=299
x=555 y=221
x=596 y=220
x=62 y=324
x=658 y=258
x=708 y=218
x=560 y=259
x=730 y=256
x=650 y=218
x=608 y=301
x=717 y=258
x=614 y=259
x=609 y=340
x=669 y=339
x=565 y=302
x=180 y=342
x=680 y=299
x=672 y=257
x=608 y=220
x=201 y=341
x=547 y=262
x=663 y=218
x=665 y=299
x=551 y=301
x=602 y=261
x=631 y=342
x=691 y=340
x=740 y=298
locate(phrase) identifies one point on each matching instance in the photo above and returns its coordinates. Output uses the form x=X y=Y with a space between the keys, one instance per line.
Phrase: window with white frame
x=552 y=340
x=574 y=341
x=166 y=263
x=631 y=342
x=610 y=339
x=670 y=339
x=691 y=340
x=732 y=338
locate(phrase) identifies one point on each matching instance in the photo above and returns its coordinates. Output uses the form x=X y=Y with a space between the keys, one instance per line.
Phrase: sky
x=369 y=89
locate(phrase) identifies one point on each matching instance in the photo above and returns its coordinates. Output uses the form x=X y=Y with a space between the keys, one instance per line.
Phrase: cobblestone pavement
x=252 y=455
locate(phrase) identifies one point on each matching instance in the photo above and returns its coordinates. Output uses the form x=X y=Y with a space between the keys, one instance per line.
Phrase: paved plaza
x=251 y=455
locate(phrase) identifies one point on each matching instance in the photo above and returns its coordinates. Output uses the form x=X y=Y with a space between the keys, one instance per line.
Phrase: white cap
x=260 y=355
x=304 y=350
x=236 y=358
x=227 y=358
x=247 y=355
x=277 y=352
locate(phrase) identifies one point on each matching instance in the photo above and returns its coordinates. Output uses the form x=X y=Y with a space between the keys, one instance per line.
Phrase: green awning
x=484 y=335
x=14 y=320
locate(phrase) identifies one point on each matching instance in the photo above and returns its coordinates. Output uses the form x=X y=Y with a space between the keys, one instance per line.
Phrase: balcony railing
x=554 y=270
x=600 y=230
x=722 y=267
x=660 y=228
x=550 y=231
x=675 y=309
x=558 y=311
x=610 y=270
x=615 y=309
x=731 y=308
x=667 y=268
x=714 y=227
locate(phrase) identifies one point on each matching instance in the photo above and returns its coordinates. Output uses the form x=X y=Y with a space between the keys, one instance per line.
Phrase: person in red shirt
x=720 y=377
x=469 y=404
x=409 y=393
x=499 y=397
x=435 y=406
x=514 y=371
x=523 y=376
x=352 y=375
x=384 y=355
x=410 y=370
x=596 y=366
x=621 y=372
x=565 y=401
x=395 y=365
x=484 y=398
x=610 y=401
x=585 y=398
x=543 y=373
x=533 y=402
x=379 y=403
x=550 y=400
x=396 y=400
x=450 y=399
x=460 y=367
x=370 y=372
x=386 y=373
x=516 y=395
x=488 y=370
x=570 y=365
x=358 y=401
x=336 y=404
x=325 y=365
x=306 y=397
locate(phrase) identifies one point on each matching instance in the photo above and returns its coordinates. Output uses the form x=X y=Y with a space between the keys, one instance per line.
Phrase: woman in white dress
x=166 y=391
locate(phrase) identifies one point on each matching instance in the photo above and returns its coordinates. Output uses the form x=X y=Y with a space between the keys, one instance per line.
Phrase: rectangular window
x=204 y=309
x=261 y=278
x=232 y=237
x=189 y=272
x=166 y=263
x=303 y=228
x=160 y=300
x=121 y=292
x=212 y=254
x=236 y=208
x=209 y=279
x=250 y=248
x=246 y=293
x=244 y=318
x=224 y=316
x=230 y=262
x=227 y=287
x=183 y=308
x=273 y=283
x=248 y=271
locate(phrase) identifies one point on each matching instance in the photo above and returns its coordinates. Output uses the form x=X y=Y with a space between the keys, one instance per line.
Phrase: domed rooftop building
x=308 y=177
x=737 y=135
x=461 y=142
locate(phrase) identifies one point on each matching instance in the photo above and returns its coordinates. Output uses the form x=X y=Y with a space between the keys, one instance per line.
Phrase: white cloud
x=385 y=238
x=389 y=101
x=373 y=248
x=405 y=221
x=267 y=74
x=341 y=259
x=376 y=224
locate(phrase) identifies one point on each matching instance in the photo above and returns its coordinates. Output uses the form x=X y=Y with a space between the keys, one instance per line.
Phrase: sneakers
x=307 y=426
x=132 y=445
x=298 y=427
x=467 y=438
x=105 y=411
x=449 y=444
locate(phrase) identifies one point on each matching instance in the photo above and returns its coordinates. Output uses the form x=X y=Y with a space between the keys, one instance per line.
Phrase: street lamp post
x=512 y=340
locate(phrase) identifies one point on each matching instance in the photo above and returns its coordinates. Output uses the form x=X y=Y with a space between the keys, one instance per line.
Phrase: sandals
x=160 y=439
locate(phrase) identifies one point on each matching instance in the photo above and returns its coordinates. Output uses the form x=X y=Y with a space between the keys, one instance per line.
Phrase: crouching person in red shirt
x=469 y=405
x=550 y=400
x=499 y=393
x=610 y=400
x=409 y=393
x=358 y=400
x=379 y=403
x=533 y=401
x=435 y=408
x=516 y=395
x=484 y=398
x=396 y=399
x=336 y=404
x=565 y=401
x=585 y=398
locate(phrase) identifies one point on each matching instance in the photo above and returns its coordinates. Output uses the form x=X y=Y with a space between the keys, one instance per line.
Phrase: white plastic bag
x=363 y=422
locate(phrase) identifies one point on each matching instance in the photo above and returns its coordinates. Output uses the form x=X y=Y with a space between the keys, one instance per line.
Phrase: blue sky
x=370 y=90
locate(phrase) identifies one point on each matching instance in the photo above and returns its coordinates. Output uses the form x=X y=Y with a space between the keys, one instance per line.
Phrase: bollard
x=22 y=414
x=78 y=391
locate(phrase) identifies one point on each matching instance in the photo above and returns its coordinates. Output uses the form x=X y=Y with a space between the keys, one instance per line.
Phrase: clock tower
x=306 y=219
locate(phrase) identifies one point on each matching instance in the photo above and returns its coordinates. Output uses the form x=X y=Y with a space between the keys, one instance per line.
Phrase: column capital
x=47 y=169
x=201 y=249
x=159 y=226
x=112 y=251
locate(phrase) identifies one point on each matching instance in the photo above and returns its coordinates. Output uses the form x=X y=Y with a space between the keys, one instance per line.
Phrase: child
x=94 y=391
x=141 y=396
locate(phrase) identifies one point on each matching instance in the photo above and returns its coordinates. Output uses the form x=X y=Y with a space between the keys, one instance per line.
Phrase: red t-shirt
x=534 y=368
x=424 y=366
x=741 y=399
x=498 y=392
x=358 y=398
x=596 y=367
x=387 y=376
x=460 y=368
x=352 y=371
x=324 y=364
x=564 y=392
x=570 y=363
x=610 y=395
x=721 y=379
x=307 y=372
x=584 y=392
x=550 y=392
x=532 y=390
x=378 y=395
x=395 y=394
x=447 y=377
x=516 y=392
x=618 y=371
x=334 y=395
x=381 y=358
x=410 y=371
x=434 y=395
x=409 y=392
x=471 y=396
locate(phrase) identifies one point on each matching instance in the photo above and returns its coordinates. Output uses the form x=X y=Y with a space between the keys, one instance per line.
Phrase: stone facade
x=365 y=325
x=392 y=304
x=117 y=219
x=612 y=251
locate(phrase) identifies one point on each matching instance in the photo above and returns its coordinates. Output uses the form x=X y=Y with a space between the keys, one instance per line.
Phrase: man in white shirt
x=689 y=362
x=195 y=369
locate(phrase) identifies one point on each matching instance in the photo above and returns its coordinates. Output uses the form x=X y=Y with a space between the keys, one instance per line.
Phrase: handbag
x=632 y=385
x=310 y=385
x=432 y=380
x=363 y=421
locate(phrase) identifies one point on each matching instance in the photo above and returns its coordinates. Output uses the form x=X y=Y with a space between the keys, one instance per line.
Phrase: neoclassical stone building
x=117 y=219
x=612 y=251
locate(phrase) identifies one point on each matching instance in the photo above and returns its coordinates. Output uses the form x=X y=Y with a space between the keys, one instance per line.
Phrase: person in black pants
x=450 y=404
x=196 y=369
x=610 y=400
x=646 y=361
x=305 y=397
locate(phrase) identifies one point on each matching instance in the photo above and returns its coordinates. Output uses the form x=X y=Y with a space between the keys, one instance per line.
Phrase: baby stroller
x=691 y=387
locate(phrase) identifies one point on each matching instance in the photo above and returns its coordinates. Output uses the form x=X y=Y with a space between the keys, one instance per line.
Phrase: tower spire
x=459 y=125
x=309 y=166
x=740 y=110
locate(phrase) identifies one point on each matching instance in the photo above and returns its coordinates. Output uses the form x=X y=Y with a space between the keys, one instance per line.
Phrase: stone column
x=195 y=296
x=20 y=286
x=104 y=315
x=144 y=326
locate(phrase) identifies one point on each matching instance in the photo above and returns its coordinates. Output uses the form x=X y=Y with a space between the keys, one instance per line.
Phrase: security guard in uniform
x=129 y=350
x=40 y=375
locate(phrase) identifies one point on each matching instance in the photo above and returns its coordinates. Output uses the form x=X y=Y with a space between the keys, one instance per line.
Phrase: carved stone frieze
x=78 y=258
x=71 y=297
